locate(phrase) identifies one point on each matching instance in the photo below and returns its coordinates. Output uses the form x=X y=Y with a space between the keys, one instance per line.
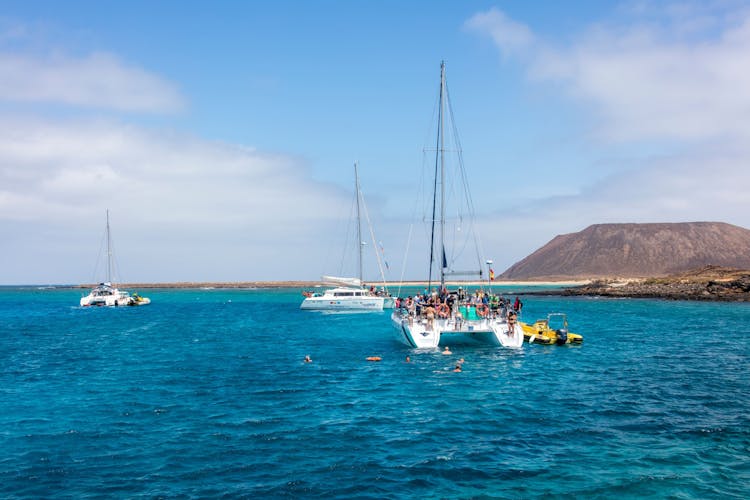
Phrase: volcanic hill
x=636 y=250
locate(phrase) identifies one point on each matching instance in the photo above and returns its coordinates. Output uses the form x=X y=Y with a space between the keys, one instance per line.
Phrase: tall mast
x=436 y=179
x=442 y=176
x=359 y=223
x=109 y=252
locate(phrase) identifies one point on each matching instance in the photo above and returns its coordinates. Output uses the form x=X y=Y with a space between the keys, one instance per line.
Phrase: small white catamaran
x=350 y=294
x=106 y=294
x=443 y=317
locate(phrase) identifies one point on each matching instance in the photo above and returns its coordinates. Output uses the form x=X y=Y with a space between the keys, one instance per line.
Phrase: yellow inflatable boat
x=552 y=330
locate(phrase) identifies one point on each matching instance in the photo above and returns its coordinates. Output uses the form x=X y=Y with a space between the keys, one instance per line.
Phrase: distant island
x=709 y=283
x=682 y=260
x=318 y=284
x=602 y=251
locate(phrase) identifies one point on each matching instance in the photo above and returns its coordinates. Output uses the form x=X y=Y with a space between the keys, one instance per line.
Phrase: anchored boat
x=105 y=293
x=551 y=330
x=350 y=294
x=441 y=317
x=421 y=331
x=343 y=298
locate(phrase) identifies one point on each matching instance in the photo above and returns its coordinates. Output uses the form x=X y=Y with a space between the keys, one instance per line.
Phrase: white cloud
x=643 y=89
x=673 y=78
x=710 y=186
x=182 y=208
x=511 y=37
x=84 y=163
x=99 y=80
x=680 y=79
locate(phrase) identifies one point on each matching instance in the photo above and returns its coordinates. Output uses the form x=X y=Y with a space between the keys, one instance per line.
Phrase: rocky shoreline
x=706 y=284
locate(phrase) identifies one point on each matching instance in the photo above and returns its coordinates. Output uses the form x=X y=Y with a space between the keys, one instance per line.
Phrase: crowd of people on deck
x=379 y=292
x=459 y=305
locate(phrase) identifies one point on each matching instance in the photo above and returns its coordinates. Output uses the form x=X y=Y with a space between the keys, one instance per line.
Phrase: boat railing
x=463 y=311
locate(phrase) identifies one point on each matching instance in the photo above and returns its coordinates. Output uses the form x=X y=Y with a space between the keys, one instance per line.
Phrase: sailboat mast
x=439 y=178
x=109 y=252
x=442 y=176
x=359 y=224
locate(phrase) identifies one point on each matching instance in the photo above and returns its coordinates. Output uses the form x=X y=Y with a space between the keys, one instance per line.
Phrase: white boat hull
x=108 y=296
x=108 y=301
x=342 y=305
x=421 y=334
x=343 y=299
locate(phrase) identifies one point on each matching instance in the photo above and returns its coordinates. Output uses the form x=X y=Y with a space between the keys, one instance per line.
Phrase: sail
x=341 y=281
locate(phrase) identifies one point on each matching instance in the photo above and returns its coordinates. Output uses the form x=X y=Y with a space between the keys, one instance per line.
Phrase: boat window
x=343 y=294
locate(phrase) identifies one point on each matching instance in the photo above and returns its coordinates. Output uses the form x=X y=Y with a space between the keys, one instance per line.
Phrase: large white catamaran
x=442 y=317
x=350 y=294
x=105 y=293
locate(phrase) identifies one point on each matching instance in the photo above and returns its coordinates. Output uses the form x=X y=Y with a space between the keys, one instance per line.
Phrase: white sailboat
x=105 y=293
x=350 y=294
x=443 y=317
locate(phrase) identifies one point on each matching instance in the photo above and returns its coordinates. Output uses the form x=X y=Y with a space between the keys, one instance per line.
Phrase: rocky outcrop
x=708 y=283
x=636 y=251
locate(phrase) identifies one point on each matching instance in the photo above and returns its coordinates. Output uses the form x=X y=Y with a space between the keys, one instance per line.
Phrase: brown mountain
x=636 y=250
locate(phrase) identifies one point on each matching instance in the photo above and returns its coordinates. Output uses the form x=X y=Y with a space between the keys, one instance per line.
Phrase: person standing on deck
x=517 y=305
x=429 y=313
x=515 y=332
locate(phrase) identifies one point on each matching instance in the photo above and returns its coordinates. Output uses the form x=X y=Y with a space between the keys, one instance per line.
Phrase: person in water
x=308 y=359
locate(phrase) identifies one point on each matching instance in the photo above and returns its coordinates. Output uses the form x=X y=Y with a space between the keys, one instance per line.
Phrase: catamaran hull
x=104 y=301
x=105 y=295
x=326 y=304
x=420 y=334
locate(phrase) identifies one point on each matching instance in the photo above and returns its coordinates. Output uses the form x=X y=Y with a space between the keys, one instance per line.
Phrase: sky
x=221 y=136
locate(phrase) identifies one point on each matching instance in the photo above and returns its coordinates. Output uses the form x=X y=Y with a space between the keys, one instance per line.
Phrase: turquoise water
x=204 y=394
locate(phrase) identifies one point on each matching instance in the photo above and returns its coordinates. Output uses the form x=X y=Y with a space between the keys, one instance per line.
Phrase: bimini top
x=342 y=282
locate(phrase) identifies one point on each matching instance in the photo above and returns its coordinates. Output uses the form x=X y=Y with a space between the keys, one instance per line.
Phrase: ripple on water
x=204 y=394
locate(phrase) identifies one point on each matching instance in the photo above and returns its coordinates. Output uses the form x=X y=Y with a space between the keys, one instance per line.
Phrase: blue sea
x=204 y=394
